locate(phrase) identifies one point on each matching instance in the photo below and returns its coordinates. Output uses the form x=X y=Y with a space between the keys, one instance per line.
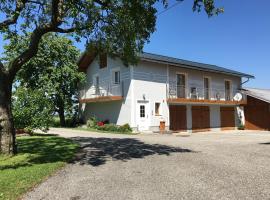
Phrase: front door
x=143 y=115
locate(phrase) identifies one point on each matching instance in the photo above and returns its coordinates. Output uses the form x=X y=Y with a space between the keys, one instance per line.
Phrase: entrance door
x=143 y=115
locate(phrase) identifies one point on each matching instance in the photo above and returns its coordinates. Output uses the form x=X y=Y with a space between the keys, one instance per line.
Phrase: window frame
x=159 y=109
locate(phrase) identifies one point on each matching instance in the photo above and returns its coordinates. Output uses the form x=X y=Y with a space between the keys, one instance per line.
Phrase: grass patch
x=100 y=131
x=38 y=158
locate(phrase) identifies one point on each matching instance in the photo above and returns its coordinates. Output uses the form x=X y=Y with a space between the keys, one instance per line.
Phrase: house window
x=102 y=61
x=206 y=88
x=157 y=109
x=181 y=85
x=227 y=90
x=142 y=111
x=116 y=78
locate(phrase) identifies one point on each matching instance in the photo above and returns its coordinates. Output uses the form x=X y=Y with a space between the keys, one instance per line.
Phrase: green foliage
x=117 y=27
x=241 y=127
x=114 y=128
x=92 y=122
x=38 y=158
x=125 y=128
x=31 y=109
x=53 y=71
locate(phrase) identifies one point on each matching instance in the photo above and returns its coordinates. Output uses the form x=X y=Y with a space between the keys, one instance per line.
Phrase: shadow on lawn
x=40 y=149
x=96 y=151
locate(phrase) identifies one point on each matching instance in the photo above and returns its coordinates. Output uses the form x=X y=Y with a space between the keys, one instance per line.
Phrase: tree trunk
x=7 y=130
x=61 y=113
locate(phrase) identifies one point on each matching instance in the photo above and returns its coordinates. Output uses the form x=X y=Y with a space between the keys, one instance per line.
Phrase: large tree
x=119 y=26
x=53 y=71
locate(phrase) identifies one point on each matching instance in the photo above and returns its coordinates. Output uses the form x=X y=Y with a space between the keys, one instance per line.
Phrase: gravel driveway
x=233 y=165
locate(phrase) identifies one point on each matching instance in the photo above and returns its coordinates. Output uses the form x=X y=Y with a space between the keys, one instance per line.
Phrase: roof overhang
x=85 y=60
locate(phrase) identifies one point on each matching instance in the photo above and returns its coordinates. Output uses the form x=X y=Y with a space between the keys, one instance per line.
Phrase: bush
x=241 y=127
x=125 y=128
x=31 y=109
x=106 y=126
x=91 y=123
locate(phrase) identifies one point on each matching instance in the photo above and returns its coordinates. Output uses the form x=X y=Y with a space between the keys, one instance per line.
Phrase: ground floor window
x=157 y=109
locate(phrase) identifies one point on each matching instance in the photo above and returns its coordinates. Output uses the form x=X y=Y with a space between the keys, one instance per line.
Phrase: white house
x=187 y=96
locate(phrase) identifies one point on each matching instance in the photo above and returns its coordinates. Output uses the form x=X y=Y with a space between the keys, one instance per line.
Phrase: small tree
x=121 y=27
x=31 y=109
x=53 y=70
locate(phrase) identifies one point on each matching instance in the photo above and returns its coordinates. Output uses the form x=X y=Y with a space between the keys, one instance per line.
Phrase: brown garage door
x=178 y=118
x=257 y=114
x=200 y=118
x=227 y=118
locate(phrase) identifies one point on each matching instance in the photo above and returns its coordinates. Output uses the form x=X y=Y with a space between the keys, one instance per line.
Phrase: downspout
x=244 y=82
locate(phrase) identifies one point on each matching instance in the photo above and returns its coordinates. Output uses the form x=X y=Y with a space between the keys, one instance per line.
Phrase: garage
x=227 y=118
x=200 y=118
x=257 y=114
x=178 y=118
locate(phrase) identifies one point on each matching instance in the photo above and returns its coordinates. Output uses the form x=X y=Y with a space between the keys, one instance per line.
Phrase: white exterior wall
x=118 y=112
x=149 y=81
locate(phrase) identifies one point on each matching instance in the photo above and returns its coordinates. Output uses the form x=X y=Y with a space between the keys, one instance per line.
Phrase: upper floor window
x=102 y=60
x=116 y=77
x=228 y=90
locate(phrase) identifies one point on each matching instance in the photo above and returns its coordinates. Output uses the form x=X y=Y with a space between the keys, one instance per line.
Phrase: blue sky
x=239 y=39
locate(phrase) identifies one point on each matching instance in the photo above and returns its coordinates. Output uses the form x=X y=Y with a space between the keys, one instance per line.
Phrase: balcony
x=182 y=94
x=102 y=92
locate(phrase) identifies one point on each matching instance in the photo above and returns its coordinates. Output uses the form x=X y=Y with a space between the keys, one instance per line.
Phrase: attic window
x=102 y=60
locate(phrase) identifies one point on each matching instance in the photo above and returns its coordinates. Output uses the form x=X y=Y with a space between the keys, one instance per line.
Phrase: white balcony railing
x=199 y=93
x=103 y=89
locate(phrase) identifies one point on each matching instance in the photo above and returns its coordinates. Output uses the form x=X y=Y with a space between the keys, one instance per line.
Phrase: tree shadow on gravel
x=96 y=151
x=266 y=143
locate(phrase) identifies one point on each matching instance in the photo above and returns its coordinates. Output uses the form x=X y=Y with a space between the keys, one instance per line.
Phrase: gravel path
x=203 y=166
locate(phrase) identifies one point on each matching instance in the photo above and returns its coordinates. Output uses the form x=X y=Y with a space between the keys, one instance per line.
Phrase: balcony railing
x=198 y=93
x=104 y=89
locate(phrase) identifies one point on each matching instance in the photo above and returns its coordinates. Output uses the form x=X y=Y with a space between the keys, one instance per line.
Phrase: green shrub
x=114 y=128
x=241 y=127
x=92 y=122
x=125 y=128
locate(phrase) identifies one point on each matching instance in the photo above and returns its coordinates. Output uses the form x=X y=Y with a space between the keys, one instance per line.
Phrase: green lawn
x=39 y=157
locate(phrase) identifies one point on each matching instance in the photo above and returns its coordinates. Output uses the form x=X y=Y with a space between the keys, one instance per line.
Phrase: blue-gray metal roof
x=191 y=65
x=262 y=94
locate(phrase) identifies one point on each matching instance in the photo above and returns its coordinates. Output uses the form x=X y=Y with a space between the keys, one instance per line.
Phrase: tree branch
x=31 y=51
x=20 y=4
x=69 y=30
